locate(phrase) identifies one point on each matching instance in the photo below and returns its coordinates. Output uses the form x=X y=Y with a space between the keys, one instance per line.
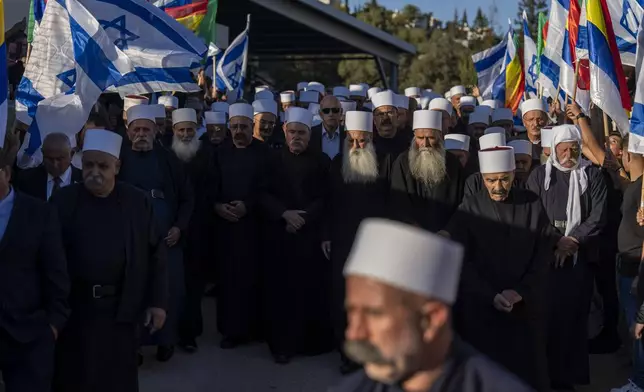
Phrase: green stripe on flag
x=540 y=41
x=208 y=29
x=32 y=23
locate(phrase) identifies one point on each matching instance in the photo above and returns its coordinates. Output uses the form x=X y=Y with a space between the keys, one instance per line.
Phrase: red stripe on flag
x=544 y=33
x=617 y=60
x=200 y=7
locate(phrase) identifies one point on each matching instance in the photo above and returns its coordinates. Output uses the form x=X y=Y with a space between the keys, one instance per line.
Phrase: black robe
x=388 y=150
x=242 y=178
x=413 y=202
x=465 y=371
x=508 y=247
x=296 y=277
x=570 y=288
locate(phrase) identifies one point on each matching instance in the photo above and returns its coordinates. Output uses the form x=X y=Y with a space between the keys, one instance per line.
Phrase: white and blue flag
x=165 y=54
x=529 y=60
x=626 y=16
x=232 y=65
x=72 y=62
x=488 y=65
x=636 y=138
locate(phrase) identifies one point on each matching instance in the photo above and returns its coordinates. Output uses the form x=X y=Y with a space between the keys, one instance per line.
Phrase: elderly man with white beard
x=358 y=190
x=426 y=182
x=573 y=193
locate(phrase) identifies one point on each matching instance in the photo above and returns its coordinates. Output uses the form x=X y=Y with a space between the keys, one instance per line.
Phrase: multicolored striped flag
x=542 y=33
x=509 y=85
x=572 y=84
x=36 y=11
x=4 y=81
x=196 y=15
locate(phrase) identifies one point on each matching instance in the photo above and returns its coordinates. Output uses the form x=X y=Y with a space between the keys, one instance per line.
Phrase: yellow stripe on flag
x=1 y=22
x=191 y=22
x=595 y=16
x=512 y=81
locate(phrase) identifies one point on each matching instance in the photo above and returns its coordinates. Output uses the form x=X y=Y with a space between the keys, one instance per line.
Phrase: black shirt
x=630 y=234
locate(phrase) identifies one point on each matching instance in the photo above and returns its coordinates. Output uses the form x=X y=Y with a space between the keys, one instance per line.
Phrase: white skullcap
x=220 y=107
x=182 y=115
x=302 y=86
x=546 y=137
x=441 y=104
x=241 y=110
x=357 y=90
x=169 y=101
x=521 y=147
x=103 y=140
x=384 y=98
x=159 y=110
x=457 y=141
x=502 y=114
x=411 y=91
x=287 y=96
x=215 y=118
x=264 y=94
x=358 y=121
x=141 y=112
x=133 y=100
x=428 y=119
x=341 y=92
x=261 y=88
x=402 y=102
x=491 y=140
x=348 y=106
x=406 y=257
x=314 y=108
x=533 y=104
x=490 y=130
x=309 y=97
x=448 y=95
x=265 y=106
x=467 y=101
x=492 y=103
x=423 y=102
x=299 y=115
x=479 y=116
x=315 y=86
x=368 y=106
x=373 y=91
x=497 y=160
x=457 y=90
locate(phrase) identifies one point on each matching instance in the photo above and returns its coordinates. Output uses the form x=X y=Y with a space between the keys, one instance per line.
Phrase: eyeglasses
x=331 y=110
x=386 y=114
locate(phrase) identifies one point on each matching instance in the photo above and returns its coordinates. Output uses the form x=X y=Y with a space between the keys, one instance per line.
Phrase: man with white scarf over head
x=573 y=193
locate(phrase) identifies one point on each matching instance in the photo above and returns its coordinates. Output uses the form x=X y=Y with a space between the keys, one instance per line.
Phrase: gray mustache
x=364 y=352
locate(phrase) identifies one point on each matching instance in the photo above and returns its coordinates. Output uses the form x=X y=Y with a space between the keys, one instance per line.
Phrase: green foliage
x=480 y=20
x=532 y=9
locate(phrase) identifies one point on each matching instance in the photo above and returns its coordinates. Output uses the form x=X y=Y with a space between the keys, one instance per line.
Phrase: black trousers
x=27 y=367
x=191 y=325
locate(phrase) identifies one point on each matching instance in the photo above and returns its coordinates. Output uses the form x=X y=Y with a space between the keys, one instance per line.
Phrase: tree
x=464 y=18
x=532 y=9
x=455 y=16
x=480 y=20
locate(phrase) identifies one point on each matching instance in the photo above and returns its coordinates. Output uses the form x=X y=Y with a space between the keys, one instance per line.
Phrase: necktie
x=56 y=188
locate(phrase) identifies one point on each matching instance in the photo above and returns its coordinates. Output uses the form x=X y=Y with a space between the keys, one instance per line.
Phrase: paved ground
x=251 y=369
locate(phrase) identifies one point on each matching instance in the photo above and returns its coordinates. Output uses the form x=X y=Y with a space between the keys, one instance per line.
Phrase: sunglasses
x=331 y=110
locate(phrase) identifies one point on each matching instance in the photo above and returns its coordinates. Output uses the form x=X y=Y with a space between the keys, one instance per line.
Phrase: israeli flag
x=164 y=53
x=232 y=66
x=636 y=139
x=626 y=16
x=488 y=65
x=529 y=59
x=551 y=58
x=72 y=62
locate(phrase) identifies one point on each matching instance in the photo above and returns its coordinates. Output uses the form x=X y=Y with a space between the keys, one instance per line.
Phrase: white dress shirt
x=331 y=144
x=66 y=179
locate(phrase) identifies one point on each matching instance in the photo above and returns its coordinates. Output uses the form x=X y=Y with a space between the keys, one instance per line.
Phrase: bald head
x=330 y=112
x=56 y=153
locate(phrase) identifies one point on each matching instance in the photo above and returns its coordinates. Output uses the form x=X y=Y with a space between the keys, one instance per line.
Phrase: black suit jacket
x=34 y=284
x=315 y=144
x=34 y=181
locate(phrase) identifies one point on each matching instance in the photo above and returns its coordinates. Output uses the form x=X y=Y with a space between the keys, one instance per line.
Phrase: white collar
x=65 y=178
x=324 y=131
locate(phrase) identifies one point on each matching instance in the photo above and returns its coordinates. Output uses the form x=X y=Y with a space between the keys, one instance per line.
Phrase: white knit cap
x=547 y=135
x=103 y=140
x=521 y=147
x=441 y=104
x=457 y=90
x=502 y=114
x=406 y=257
x=299 y=115
x=287 y=96
x=133 y=100
x=341 y=92
x=302 y=86
x=384 y=98
x=215 y=118
x=265 y=106
x=411 y=91
x=141 y=112
x=492 y=103
x=373 y=91
x=428 y=119
x=467 y=101
x=457 y=141
x=479 y=116
x=491 y=140
x=497 y=160
x=241 y=110
x=169 y=101
x=315 y=86
x=159 y=110
x=533 y=104
x=220 y=107
x=358 y=121
x=357 y=90
x=348 y=106
x=402 y=102
x=183 y=115
x=309 y=97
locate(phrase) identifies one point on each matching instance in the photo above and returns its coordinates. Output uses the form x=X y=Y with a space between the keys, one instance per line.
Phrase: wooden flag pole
x=606 y=131
x=574 y=94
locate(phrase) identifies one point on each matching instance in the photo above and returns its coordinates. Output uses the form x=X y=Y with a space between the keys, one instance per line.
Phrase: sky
x=444 y=10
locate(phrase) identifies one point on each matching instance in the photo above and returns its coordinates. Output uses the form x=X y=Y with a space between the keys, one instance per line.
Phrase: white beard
x=360 y=165
x=427 y=166
x=185 y=151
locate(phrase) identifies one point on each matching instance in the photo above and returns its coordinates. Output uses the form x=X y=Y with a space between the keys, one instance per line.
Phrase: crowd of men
x=109 y=240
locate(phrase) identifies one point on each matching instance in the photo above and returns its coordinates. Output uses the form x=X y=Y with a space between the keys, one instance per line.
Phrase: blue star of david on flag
x=68 y=77
x=118 y=24
x=532 y=68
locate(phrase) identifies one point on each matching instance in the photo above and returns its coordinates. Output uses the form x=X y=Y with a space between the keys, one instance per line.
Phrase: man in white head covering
x=358 y=94
x=501 y=295
x=216 y=127
x=478 y=122
x=389 y=143
x=459 y=146
x=466 y=105
x=495 y=138
x=573 y=193
x=328 y=135
x=158 y=173
x=308 y=97
x=133 y=100
x=171 y=103
x=502 y=117
x=108 y=226
x=265 y=120
x=426 y=183
x=455 y=94
x=404 y=118
x=535 y=117
x=447 y=112
x=287 y=100
x=401 y=283
x=293 y=227
x=523 y=159
x=185 y=142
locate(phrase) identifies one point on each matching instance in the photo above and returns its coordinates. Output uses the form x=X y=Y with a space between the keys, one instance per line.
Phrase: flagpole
x=606 y=132
x=574 y=94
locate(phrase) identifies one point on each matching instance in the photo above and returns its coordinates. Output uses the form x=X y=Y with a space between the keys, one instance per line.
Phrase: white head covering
x=521 y=147
x=299 y=115
x=182 y=115
x=315 y=86
x=448 y=95
x=309 y=97
x=103 y=140
x=423 y=103
x=546 y=137
x=480 y=116
x=430 y=119
x=358 y=121
x=264 y=94
x=314 y=108
x=457 y=90
x=261 y=88
x=348 y=106
x=578 y=177
x=467 y=101
x=402 y=102
x=341 y=92
x=133 y=100
x=497 y=160
x=411 y=91
x=215 y=118
x=441 y=104
x=457 y=141
x=357 y=90
x=169 y=101
x=265 y=106
x=492 y=103
x=159 y=110
x=502 y=114
x=384 y=98
x=287 y=97
x=302 y=86
x=494 y=130
x=492 y=140
x=220 y=107
x=407 y=258
x=373 y=91
x=241 y=109
x=533 y=104
x=141 y=112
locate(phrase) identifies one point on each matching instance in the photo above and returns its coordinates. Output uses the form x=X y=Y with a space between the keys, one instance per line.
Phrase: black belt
x=95 y=291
